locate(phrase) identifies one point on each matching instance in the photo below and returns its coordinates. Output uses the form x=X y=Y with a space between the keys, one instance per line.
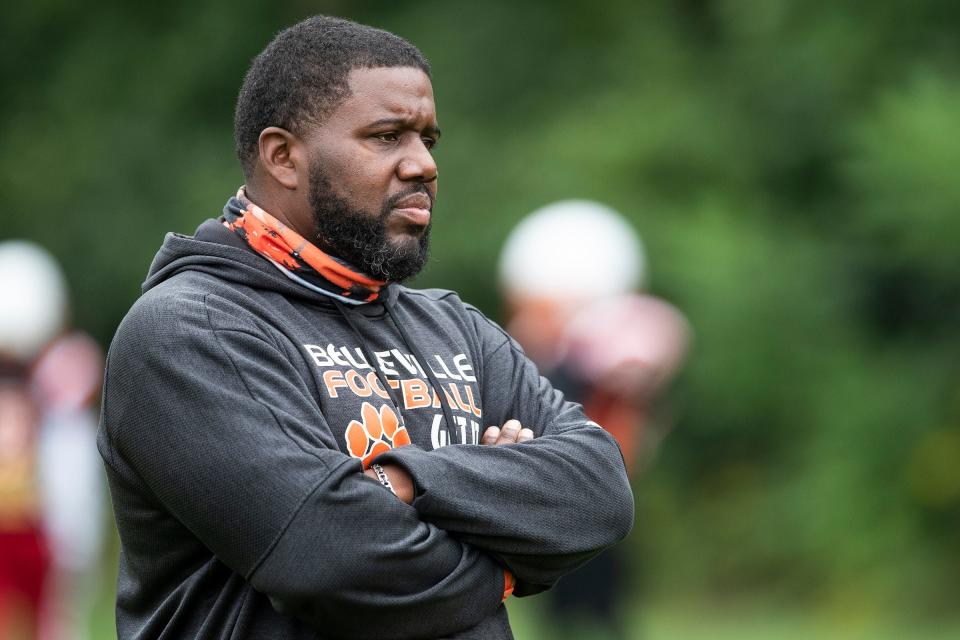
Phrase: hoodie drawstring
x=437 y=388
x=434 y=383
x=366 y=354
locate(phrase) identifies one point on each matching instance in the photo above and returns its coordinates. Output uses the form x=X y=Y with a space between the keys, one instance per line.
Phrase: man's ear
x=283 y=157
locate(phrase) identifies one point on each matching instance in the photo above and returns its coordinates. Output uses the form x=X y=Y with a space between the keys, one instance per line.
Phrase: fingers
x=490 y=436
x=510 y=433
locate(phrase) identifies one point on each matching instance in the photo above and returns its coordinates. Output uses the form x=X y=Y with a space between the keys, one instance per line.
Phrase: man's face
x=373 y=179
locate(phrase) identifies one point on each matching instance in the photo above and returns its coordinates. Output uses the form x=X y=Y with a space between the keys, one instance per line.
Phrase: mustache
x=395 y=199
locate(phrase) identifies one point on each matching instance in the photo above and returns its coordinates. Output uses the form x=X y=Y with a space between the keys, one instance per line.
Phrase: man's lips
x=415 y=208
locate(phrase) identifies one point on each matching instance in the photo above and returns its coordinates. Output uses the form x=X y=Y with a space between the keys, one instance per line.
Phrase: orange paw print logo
x=379 y=432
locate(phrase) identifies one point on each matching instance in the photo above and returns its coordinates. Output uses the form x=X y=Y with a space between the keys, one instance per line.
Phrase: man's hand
x=511 y=433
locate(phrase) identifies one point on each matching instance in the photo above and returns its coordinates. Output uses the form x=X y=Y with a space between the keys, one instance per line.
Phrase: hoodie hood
x=216 y=250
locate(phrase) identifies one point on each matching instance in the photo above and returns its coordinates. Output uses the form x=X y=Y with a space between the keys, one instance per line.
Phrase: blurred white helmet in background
x=33 y=299
x=575 y=249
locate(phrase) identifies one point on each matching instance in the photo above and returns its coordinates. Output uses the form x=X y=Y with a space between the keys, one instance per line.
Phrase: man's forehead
x=402 y=92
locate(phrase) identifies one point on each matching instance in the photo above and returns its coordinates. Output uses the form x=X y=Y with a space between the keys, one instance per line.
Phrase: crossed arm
x=540 y=505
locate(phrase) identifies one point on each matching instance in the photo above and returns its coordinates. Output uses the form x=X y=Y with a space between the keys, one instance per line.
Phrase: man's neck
x=294 y=254
x=274 y=204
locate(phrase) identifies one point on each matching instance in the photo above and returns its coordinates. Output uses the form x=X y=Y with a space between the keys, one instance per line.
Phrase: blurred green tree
x=790 y=167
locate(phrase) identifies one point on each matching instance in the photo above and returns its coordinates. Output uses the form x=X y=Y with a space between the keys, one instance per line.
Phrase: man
x=259 y=394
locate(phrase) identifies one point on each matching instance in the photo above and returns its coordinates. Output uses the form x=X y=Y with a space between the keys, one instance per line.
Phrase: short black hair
x=302 y=76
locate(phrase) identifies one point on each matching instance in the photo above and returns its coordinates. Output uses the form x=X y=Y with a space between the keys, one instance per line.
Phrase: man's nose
x=417 y=164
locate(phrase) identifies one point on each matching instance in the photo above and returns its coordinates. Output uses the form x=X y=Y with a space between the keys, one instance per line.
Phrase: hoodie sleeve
x=220 y=429
x=542 y=507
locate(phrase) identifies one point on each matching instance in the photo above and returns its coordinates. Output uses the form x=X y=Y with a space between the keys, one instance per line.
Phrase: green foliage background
x=791 y=166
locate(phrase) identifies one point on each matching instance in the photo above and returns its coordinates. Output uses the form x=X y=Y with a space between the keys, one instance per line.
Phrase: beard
x=360 y=237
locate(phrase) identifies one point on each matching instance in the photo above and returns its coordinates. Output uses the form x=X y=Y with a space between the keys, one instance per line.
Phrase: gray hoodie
x=236 y=406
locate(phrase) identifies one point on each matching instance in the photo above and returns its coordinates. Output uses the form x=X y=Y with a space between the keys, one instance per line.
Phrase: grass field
x=676 y=621
x=662 y=619
x=692 y=621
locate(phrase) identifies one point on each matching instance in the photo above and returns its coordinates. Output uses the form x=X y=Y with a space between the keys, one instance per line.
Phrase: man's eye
x=429 y=142
x=386 y=137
